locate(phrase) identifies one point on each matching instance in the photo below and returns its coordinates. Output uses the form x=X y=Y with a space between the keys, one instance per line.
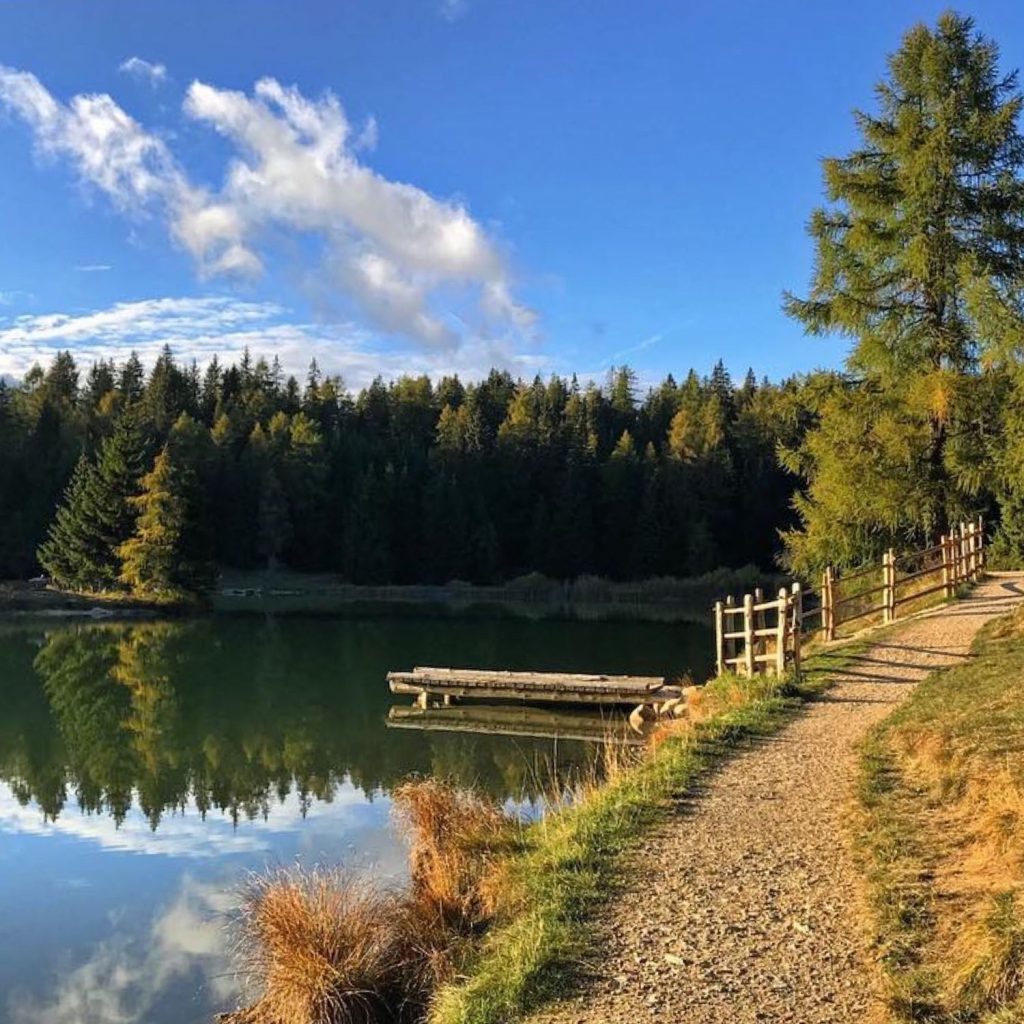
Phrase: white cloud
x=155 y=74
x=109 y=149
x=404 y=256
x=92 y=268
x=202 y=327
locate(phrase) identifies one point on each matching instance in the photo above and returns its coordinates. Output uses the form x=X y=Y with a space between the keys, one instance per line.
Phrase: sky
x=408 y=186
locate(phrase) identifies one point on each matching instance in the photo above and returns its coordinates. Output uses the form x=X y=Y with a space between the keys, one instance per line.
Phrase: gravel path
x=743 y=905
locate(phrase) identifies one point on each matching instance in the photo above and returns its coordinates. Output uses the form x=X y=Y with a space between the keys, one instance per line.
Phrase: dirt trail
x=743 y=905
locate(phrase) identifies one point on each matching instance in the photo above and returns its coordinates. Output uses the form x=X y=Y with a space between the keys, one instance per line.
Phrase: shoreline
x=667 y=600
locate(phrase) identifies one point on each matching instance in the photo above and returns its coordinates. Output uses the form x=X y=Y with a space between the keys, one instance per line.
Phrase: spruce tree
x=930 y=204
x=68 y=554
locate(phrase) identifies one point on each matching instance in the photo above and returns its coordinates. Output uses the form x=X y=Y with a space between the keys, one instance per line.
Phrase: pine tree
x=275 y=525
x=927 y=208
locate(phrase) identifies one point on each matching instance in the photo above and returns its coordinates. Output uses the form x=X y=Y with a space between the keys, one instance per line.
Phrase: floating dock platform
x=649 y=696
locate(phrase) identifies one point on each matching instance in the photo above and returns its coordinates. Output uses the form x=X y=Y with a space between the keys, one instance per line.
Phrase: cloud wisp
x=145 y=70
x=403 y=256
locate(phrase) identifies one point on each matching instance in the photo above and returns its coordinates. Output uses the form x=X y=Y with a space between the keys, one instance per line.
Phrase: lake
x=146 y=767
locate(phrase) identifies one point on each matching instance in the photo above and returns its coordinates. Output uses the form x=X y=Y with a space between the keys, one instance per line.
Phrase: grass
x=326 y=948
x=939 y=825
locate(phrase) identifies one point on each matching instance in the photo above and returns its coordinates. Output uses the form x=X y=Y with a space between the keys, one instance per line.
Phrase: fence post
x=885 y=588
x=780 y=634
x=730 y=645
x=963 y=553
x=888 y=586
x=828 y=614
x=798 y=623
x=719 y=638
x=947 y=590
x=748 y=634
x=981 y=543
x=760 y=622
x=892 y=585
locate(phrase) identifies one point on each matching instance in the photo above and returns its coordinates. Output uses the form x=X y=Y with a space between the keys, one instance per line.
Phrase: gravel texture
x=743 y=907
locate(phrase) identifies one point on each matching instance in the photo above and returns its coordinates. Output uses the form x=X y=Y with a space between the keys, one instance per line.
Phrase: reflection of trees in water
x=231 y=715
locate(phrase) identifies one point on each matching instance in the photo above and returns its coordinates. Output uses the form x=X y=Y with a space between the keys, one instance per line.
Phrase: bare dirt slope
x=743 y=908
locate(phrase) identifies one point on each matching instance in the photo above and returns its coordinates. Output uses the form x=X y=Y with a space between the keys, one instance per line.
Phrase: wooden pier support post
x=719 y=639
x=780 y=633
x=748 y=634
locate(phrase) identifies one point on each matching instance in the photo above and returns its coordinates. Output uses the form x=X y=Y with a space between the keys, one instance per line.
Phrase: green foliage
x=405 y=482
x=918 y=258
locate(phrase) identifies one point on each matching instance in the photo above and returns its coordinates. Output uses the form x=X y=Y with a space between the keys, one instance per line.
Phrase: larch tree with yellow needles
x=930 y=204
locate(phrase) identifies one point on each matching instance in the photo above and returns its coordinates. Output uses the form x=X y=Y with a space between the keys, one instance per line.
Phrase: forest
x=406 y=482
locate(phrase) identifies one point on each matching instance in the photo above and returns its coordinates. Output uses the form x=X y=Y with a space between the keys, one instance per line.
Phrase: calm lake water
x=146 y=767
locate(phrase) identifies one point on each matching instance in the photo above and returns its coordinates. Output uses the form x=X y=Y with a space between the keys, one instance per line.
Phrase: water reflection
x=177 y=715
x=127 y=976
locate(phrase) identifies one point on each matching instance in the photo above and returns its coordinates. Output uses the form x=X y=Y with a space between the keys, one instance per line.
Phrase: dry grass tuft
x=455 y=837
x=326 y=948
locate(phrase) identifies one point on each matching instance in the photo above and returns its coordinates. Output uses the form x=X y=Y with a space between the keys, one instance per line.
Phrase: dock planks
x=561 y=687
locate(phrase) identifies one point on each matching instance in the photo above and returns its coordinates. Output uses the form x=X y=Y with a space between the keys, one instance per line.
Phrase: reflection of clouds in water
x=186 y=834
x=125 y=979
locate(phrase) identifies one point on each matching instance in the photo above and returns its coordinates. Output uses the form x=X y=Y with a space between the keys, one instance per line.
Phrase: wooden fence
x=758 y=636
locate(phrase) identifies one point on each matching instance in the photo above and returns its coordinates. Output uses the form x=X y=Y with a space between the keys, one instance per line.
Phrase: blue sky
x=429 y=185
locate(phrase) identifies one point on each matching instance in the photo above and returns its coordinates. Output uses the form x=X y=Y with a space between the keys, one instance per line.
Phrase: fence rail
x=770 y=637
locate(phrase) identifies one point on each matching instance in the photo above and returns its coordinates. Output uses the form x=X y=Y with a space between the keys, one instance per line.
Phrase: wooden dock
x=649 y=697
x=558 y=687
